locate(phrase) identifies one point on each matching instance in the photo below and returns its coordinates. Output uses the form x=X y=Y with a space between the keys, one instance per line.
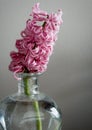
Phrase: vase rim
x=28 y=74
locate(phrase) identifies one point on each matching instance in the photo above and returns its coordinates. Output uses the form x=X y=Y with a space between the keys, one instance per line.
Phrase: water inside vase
x=21 y=114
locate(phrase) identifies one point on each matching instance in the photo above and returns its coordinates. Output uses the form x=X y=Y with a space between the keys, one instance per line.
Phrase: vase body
x=29 y=109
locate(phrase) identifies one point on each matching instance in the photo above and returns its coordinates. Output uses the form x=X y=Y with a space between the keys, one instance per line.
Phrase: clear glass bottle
x=29 y=109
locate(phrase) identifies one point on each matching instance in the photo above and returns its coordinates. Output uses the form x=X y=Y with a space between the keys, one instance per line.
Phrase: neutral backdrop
x=68 y=78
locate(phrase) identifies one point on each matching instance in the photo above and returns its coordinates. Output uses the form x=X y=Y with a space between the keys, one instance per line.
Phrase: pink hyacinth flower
x=36 y=44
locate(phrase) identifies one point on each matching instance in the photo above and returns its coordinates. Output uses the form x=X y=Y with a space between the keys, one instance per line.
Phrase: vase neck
x=28 y=84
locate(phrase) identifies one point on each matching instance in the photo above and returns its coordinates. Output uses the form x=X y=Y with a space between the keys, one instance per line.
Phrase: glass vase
x=28 y=109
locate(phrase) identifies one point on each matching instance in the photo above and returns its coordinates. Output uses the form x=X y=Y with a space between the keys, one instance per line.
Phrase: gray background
x=69 y=75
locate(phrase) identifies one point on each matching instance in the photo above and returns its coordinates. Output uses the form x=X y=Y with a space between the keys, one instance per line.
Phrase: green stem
x=36 y=104
x=26 y=86
x=39 y=122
